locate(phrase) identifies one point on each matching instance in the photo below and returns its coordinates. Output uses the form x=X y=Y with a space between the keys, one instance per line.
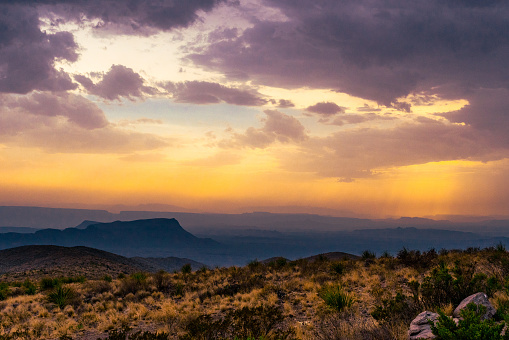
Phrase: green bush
x=416 y=259
x=49 y=283
x=29 y=287
x=335 y=297
x=337 y=267
x=368 y=255
x=186 y=269
x=132 y=284
x=469 y=327
x=4 y=291
x=445 y=285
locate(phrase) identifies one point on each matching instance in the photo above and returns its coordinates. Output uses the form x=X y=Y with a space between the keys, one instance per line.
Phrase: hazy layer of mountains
x=235 y=239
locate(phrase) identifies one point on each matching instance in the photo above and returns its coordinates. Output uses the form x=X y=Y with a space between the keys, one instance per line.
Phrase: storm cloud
x=28 y=55
x=126 y=17
x=375 y=50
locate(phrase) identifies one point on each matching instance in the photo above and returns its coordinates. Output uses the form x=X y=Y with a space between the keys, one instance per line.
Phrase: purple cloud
x=326 y=108
x=202 y=92
x=27 y=55
x=375 y=50
x=285 y=103
x=119 y=81
x=129 y=17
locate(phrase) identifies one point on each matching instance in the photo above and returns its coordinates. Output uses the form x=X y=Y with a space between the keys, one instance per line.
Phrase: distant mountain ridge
x=133 y=238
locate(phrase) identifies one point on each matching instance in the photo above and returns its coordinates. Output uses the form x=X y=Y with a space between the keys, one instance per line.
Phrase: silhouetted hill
x=43 y=260
x=159 y=237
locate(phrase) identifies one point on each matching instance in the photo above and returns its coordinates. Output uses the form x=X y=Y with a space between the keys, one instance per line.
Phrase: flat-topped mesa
x=125 y=237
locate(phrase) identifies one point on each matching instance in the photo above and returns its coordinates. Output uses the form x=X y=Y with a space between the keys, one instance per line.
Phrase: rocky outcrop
x=420 y=327
x=478 y=299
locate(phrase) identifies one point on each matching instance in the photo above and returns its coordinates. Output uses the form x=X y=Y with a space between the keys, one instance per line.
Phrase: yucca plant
x=61 y=296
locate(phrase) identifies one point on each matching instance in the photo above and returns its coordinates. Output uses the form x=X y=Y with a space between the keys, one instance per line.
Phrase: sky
x=348 y=107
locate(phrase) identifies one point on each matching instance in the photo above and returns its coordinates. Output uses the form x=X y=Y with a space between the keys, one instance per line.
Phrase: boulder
x=420 y=328
x=478 y=299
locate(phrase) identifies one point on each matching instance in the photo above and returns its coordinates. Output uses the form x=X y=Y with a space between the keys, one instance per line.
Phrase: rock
x=478 y=299
x=420 y=328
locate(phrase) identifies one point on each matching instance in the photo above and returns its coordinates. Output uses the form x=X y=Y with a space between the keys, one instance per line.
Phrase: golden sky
x=353 y=107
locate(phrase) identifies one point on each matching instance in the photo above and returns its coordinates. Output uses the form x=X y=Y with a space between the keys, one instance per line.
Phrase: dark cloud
x=284 y=103
x=129 y=17
x=27 y=55
x=66 y=123
x=375 y=50
x=487 y=112
x=277 y=126
x=119 y=81
x=202 y=92
x=326 y=108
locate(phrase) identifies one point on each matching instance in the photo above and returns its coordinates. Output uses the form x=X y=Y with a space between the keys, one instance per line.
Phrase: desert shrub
x=123 y=334
x=133 y=284
x=416 y=259
x=178 y=290
x=30 y=287
x=278 y=263
x=107 y=278
x=62 y=296
x=254 y=265
x=245 y=323
x=186 y=269
x=49 y=283
x=445 y=285
x=469 y=327
x=500 y=257
x=399 y=308
x=368 y=255
x=337 y=267
x=73 y=279
x=4 y=291
x=163 y=282
x=98 y=287
x=205 y=327
x=262 y=321
x=335 y=297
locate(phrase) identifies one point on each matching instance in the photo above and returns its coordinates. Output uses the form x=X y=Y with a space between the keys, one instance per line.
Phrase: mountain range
x=236 y=239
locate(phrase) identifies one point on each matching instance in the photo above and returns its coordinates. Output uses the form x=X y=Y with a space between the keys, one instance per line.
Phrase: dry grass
x=171 y=302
